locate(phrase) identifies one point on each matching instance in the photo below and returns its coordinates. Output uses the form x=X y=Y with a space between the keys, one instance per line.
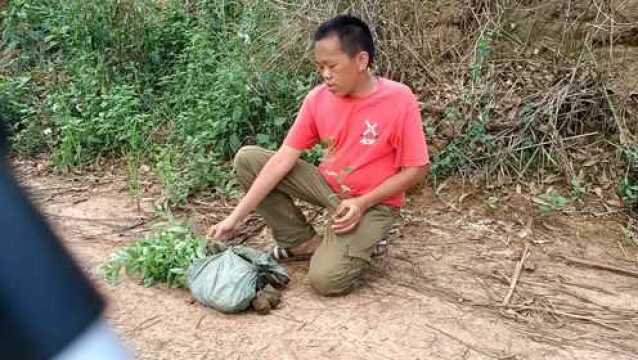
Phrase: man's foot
x=380 y=249
x=299 y=252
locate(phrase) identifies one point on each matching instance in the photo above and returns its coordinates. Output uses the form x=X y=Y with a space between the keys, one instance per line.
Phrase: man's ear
x=363 y=59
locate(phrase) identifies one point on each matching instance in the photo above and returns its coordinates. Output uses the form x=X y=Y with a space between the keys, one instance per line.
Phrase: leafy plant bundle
x=161 y=257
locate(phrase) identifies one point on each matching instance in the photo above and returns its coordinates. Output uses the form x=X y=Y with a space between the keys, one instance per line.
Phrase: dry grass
x=550 y=82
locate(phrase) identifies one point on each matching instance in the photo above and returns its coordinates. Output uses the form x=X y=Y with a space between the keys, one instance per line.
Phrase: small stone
x=261 y=304
x=529 y=266
x=272 y=295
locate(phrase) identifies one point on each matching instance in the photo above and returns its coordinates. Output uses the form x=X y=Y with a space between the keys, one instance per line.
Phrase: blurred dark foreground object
x=48 y=308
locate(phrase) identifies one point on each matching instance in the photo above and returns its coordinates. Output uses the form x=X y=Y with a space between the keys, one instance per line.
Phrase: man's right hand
x=223 y=230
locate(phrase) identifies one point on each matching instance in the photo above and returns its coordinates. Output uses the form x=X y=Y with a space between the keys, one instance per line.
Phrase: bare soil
x=436 y=295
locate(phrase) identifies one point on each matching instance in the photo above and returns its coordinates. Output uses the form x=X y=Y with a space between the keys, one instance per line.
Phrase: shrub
x=181 y=85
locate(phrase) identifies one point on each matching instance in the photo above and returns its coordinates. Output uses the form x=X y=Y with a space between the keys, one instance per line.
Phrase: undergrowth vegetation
x=512 y=90
x=180 y=85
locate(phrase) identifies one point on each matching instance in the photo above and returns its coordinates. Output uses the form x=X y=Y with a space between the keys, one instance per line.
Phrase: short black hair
x=353 y=33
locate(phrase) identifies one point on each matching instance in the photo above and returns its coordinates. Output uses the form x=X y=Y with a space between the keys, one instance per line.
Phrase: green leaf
x=263 y=139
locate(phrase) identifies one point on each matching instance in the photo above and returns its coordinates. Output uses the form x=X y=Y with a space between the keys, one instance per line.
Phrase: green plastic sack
x=229 y=280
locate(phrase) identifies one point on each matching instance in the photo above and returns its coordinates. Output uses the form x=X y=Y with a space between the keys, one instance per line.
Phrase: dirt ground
x=437 y=295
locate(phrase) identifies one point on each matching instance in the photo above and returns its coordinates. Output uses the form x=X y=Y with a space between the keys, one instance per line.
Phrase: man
x=375 y=150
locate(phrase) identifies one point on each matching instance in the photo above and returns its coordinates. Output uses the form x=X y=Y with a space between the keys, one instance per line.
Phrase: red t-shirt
x=367 y=139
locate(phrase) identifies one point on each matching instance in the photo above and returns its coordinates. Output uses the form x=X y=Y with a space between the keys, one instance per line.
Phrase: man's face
x=340 y=72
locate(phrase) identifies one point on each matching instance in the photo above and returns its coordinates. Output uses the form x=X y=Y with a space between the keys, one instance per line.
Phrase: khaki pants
x=337 y=265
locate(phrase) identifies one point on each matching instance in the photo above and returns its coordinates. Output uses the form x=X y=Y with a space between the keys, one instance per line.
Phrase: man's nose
x=326 y=74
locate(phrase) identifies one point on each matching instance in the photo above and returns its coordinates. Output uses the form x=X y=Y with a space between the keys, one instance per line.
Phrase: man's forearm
x=396 y=184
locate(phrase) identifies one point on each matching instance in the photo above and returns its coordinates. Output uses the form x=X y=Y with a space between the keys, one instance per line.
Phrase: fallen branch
x=600 y=266
x=589 y=319
x=516 y=276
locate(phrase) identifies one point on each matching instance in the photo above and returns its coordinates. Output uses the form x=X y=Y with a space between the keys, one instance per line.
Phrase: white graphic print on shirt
x=370 y=135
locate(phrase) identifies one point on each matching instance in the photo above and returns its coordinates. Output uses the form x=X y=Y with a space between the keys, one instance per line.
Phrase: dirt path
x=434 y=297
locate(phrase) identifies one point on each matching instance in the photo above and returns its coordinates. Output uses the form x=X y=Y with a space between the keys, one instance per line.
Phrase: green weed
x=185 y=171
x=469 y=115
x=550 y=202
x=314 y=155
x=628 y=191
x=481 y=55
x=460 y=154
x=22 y=113
x=578 y=190
x=162 y=257
x=91 y=124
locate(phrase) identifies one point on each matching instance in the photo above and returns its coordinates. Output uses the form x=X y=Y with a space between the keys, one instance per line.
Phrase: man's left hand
x=348 y=215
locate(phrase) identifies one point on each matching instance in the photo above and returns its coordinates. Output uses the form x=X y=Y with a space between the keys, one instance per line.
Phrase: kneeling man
x=375 y=150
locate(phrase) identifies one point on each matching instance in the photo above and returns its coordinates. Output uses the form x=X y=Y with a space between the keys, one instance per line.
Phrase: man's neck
x=367 y=86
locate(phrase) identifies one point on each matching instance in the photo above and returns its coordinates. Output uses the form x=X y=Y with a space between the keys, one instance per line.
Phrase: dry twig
x=600 y=266
x=517 y=275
